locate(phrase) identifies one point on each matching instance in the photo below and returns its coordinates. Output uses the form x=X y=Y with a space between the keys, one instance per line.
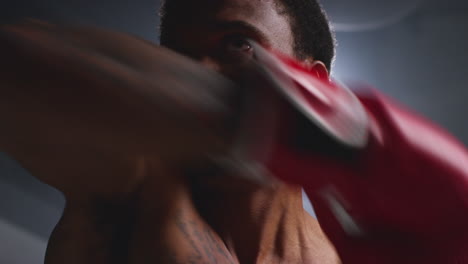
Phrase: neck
x=254 y=222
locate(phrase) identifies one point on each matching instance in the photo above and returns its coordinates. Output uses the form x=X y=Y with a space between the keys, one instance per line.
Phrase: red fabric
x=407 y=190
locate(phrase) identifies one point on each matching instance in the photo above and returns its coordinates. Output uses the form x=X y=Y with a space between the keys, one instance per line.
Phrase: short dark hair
x=312 y=34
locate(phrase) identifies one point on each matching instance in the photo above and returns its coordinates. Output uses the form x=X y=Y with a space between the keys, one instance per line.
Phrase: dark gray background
x=414 y=51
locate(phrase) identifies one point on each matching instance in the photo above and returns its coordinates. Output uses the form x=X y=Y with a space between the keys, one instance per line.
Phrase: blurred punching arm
x=84 y=109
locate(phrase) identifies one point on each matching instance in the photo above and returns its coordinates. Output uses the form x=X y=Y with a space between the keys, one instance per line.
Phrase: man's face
x=214 y=32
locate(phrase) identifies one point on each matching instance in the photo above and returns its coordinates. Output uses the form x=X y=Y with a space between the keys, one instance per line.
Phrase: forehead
x=247 y=7
x=264 y=15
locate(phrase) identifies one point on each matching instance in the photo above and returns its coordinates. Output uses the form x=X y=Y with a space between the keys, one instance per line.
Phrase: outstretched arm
x=84 y=109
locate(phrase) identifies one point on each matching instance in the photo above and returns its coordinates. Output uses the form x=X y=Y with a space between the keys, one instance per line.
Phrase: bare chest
x=182 y=237
x=163 y=229
x=162 y=232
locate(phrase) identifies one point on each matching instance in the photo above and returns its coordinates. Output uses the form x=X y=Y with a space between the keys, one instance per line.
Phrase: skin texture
x=128 y=205
x=216 y=36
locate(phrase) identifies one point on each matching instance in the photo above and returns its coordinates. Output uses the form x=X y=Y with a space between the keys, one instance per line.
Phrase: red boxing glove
x=396 y=191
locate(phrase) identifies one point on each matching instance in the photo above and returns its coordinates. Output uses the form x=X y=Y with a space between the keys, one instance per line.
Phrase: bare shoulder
x=95 y=232
x=102 y=225
x=156 y=223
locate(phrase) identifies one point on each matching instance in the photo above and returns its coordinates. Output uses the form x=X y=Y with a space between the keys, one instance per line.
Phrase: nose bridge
x=211 y=63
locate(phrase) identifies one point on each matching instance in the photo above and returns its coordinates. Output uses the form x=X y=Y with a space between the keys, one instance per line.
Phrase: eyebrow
x=238 y=25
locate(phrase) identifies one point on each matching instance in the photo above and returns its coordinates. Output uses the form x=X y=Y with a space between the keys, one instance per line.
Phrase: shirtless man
x=136 y=177
x=124 y=206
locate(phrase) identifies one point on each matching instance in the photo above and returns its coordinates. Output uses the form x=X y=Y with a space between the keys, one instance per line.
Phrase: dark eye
x=237 y=44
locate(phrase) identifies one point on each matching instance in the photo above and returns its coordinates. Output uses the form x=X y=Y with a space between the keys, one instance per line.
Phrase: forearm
x=71 y=109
